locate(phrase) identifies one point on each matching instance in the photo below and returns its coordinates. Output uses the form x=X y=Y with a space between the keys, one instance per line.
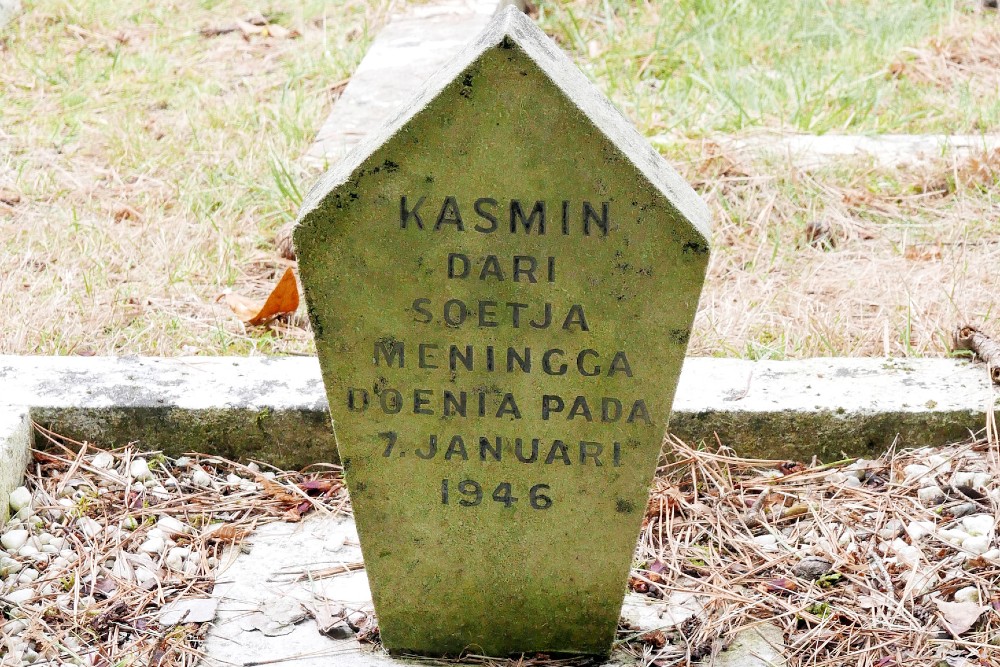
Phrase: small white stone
x=980 y=481
x=201 y=478
x=19 y=499
x=102 y=460
x=190 y=568
x=60 y=563
x=28 y=551
x=918 y=529
x=979 y=524
x=967 y=594
x=90 y=527
x=939 y=462
x=906 y=554
x=852 y=483
x=253 y=467
x=20 y=596
x=183 y=462
x=27 y=575
x=992 y=554
x=767 y=542
x=14 y=628
x=139 y=469
x=893 y=528
x=977 y=544
x=175 y=558
x=915 y=471
x=233 y=480
x=13 y=540
x=142 y=575
x=962 y=478
x=9 y=566
x=130 y=523
x=953 y=535
x=153 y=545
x=171 y=526
x=930 y=495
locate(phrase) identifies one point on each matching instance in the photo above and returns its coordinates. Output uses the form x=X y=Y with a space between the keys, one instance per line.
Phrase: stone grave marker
x=501 y=284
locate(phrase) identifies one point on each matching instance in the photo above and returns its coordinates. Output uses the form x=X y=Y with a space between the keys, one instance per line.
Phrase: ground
x=149 y=152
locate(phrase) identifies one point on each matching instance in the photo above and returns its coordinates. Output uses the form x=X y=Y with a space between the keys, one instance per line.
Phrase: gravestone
x=501 y=285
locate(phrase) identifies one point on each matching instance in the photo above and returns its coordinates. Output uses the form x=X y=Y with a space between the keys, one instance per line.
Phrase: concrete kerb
x=275 y=410
x=15 y=447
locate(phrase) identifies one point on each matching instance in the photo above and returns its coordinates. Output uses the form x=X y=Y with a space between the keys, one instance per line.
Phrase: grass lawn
x=149 y=151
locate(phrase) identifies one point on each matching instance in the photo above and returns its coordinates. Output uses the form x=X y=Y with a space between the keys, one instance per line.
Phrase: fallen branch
x=984 y=347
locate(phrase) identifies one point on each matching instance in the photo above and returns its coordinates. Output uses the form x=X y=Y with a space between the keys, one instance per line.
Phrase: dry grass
x=144 y=165
x=848 y=260
x=145 y=168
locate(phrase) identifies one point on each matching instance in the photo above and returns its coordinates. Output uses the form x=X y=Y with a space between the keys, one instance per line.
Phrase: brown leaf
x=224 y=532
x=917 y=253
x=283 y=299
x=320 y=485
x=780 y=585
x=278 y=492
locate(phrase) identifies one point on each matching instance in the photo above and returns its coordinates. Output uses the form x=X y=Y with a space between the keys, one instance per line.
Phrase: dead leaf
x=283 y=299
x=922 y=253
x=279 y=492
x=9 y=197
x=123 y=212
x=958 y=617
x=780 y=585
x=224 y=532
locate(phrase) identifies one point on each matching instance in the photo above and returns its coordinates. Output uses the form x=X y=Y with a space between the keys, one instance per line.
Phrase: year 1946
x=471 y=494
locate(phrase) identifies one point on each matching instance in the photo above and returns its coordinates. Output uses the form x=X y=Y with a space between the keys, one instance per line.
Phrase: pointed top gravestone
x=501 y=285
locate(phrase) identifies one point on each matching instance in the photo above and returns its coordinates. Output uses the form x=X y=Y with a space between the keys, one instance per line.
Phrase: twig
x=971 y=339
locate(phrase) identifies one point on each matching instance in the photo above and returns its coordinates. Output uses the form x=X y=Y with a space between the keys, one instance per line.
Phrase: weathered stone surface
x=414 y=44
x=294 y=561
x=761 y=645
x=276 y=409
x=15 y=450
x=508 y=261
x=267 y=409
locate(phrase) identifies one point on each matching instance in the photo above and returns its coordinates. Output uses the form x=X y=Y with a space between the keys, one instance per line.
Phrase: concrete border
x=15 y=450
x=274 y=409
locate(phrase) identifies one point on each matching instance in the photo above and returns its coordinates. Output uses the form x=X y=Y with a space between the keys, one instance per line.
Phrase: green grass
x=700 y=66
